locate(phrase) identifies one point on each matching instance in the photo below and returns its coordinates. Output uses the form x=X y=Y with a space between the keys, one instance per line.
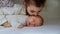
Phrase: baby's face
x=34 y=21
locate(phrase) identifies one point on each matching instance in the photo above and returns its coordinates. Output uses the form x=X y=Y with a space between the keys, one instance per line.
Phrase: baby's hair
x=37 y=3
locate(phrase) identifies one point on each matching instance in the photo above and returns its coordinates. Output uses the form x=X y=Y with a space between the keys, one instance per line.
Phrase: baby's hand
x=6 y=24
x=20 y=26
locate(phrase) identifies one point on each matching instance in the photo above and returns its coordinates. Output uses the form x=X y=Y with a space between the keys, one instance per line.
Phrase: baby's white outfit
x=16 y=20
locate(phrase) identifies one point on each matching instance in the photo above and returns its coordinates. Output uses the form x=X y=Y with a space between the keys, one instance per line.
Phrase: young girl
x=33 y=7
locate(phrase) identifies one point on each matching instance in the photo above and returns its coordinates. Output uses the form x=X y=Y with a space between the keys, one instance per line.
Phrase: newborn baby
x=34 y=21
x=22 y=21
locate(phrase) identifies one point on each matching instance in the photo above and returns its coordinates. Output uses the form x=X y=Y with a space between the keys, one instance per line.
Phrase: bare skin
x=6 y=24
x=34 y=21
x=33 y=10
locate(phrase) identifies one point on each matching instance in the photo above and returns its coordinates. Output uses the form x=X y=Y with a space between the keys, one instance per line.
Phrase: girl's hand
x=6 y=24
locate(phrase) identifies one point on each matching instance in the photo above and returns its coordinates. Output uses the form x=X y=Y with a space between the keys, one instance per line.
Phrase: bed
x=49 y=27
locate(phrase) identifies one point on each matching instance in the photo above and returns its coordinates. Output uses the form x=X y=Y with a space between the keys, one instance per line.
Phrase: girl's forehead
x=33 y=7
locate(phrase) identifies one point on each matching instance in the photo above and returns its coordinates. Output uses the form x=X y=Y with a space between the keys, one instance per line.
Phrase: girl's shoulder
x=21 y=8
x=18 y=5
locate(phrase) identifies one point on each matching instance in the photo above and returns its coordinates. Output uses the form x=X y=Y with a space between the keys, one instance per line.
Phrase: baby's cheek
x=30 y=24
x=38 y=23
x=27 y=24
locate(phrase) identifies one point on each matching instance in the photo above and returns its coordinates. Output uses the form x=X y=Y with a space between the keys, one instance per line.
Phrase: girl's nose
x=35 y=14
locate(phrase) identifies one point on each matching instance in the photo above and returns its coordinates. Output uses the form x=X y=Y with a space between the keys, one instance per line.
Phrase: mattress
x=49 y=27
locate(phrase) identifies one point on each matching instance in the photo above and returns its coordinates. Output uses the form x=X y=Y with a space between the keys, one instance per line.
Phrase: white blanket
x=50 y=27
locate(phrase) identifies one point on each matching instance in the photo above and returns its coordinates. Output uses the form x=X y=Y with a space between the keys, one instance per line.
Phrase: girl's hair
x=37 y=3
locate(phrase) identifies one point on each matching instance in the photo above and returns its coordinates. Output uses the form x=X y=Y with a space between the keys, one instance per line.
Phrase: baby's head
x=33 y=7
x=34 y=21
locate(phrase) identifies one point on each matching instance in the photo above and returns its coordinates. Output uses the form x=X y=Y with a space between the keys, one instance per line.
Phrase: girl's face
x=33 y=10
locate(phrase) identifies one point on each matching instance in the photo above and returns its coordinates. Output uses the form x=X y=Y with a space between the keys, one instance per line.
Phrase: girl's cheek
x=30 y=13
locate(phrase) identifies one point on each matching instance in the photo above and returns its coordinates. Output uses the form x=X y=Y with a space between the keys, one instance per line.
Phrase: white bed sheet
x=50 y=27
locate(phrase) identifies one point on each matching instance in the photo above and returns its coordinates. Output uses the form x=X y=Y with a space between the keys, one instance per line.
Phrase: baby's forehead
x=34 y=18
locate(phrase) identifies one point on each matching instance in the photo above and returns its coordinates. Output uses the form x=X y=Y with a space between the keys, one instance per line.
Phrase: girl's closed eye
x=32 y=11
